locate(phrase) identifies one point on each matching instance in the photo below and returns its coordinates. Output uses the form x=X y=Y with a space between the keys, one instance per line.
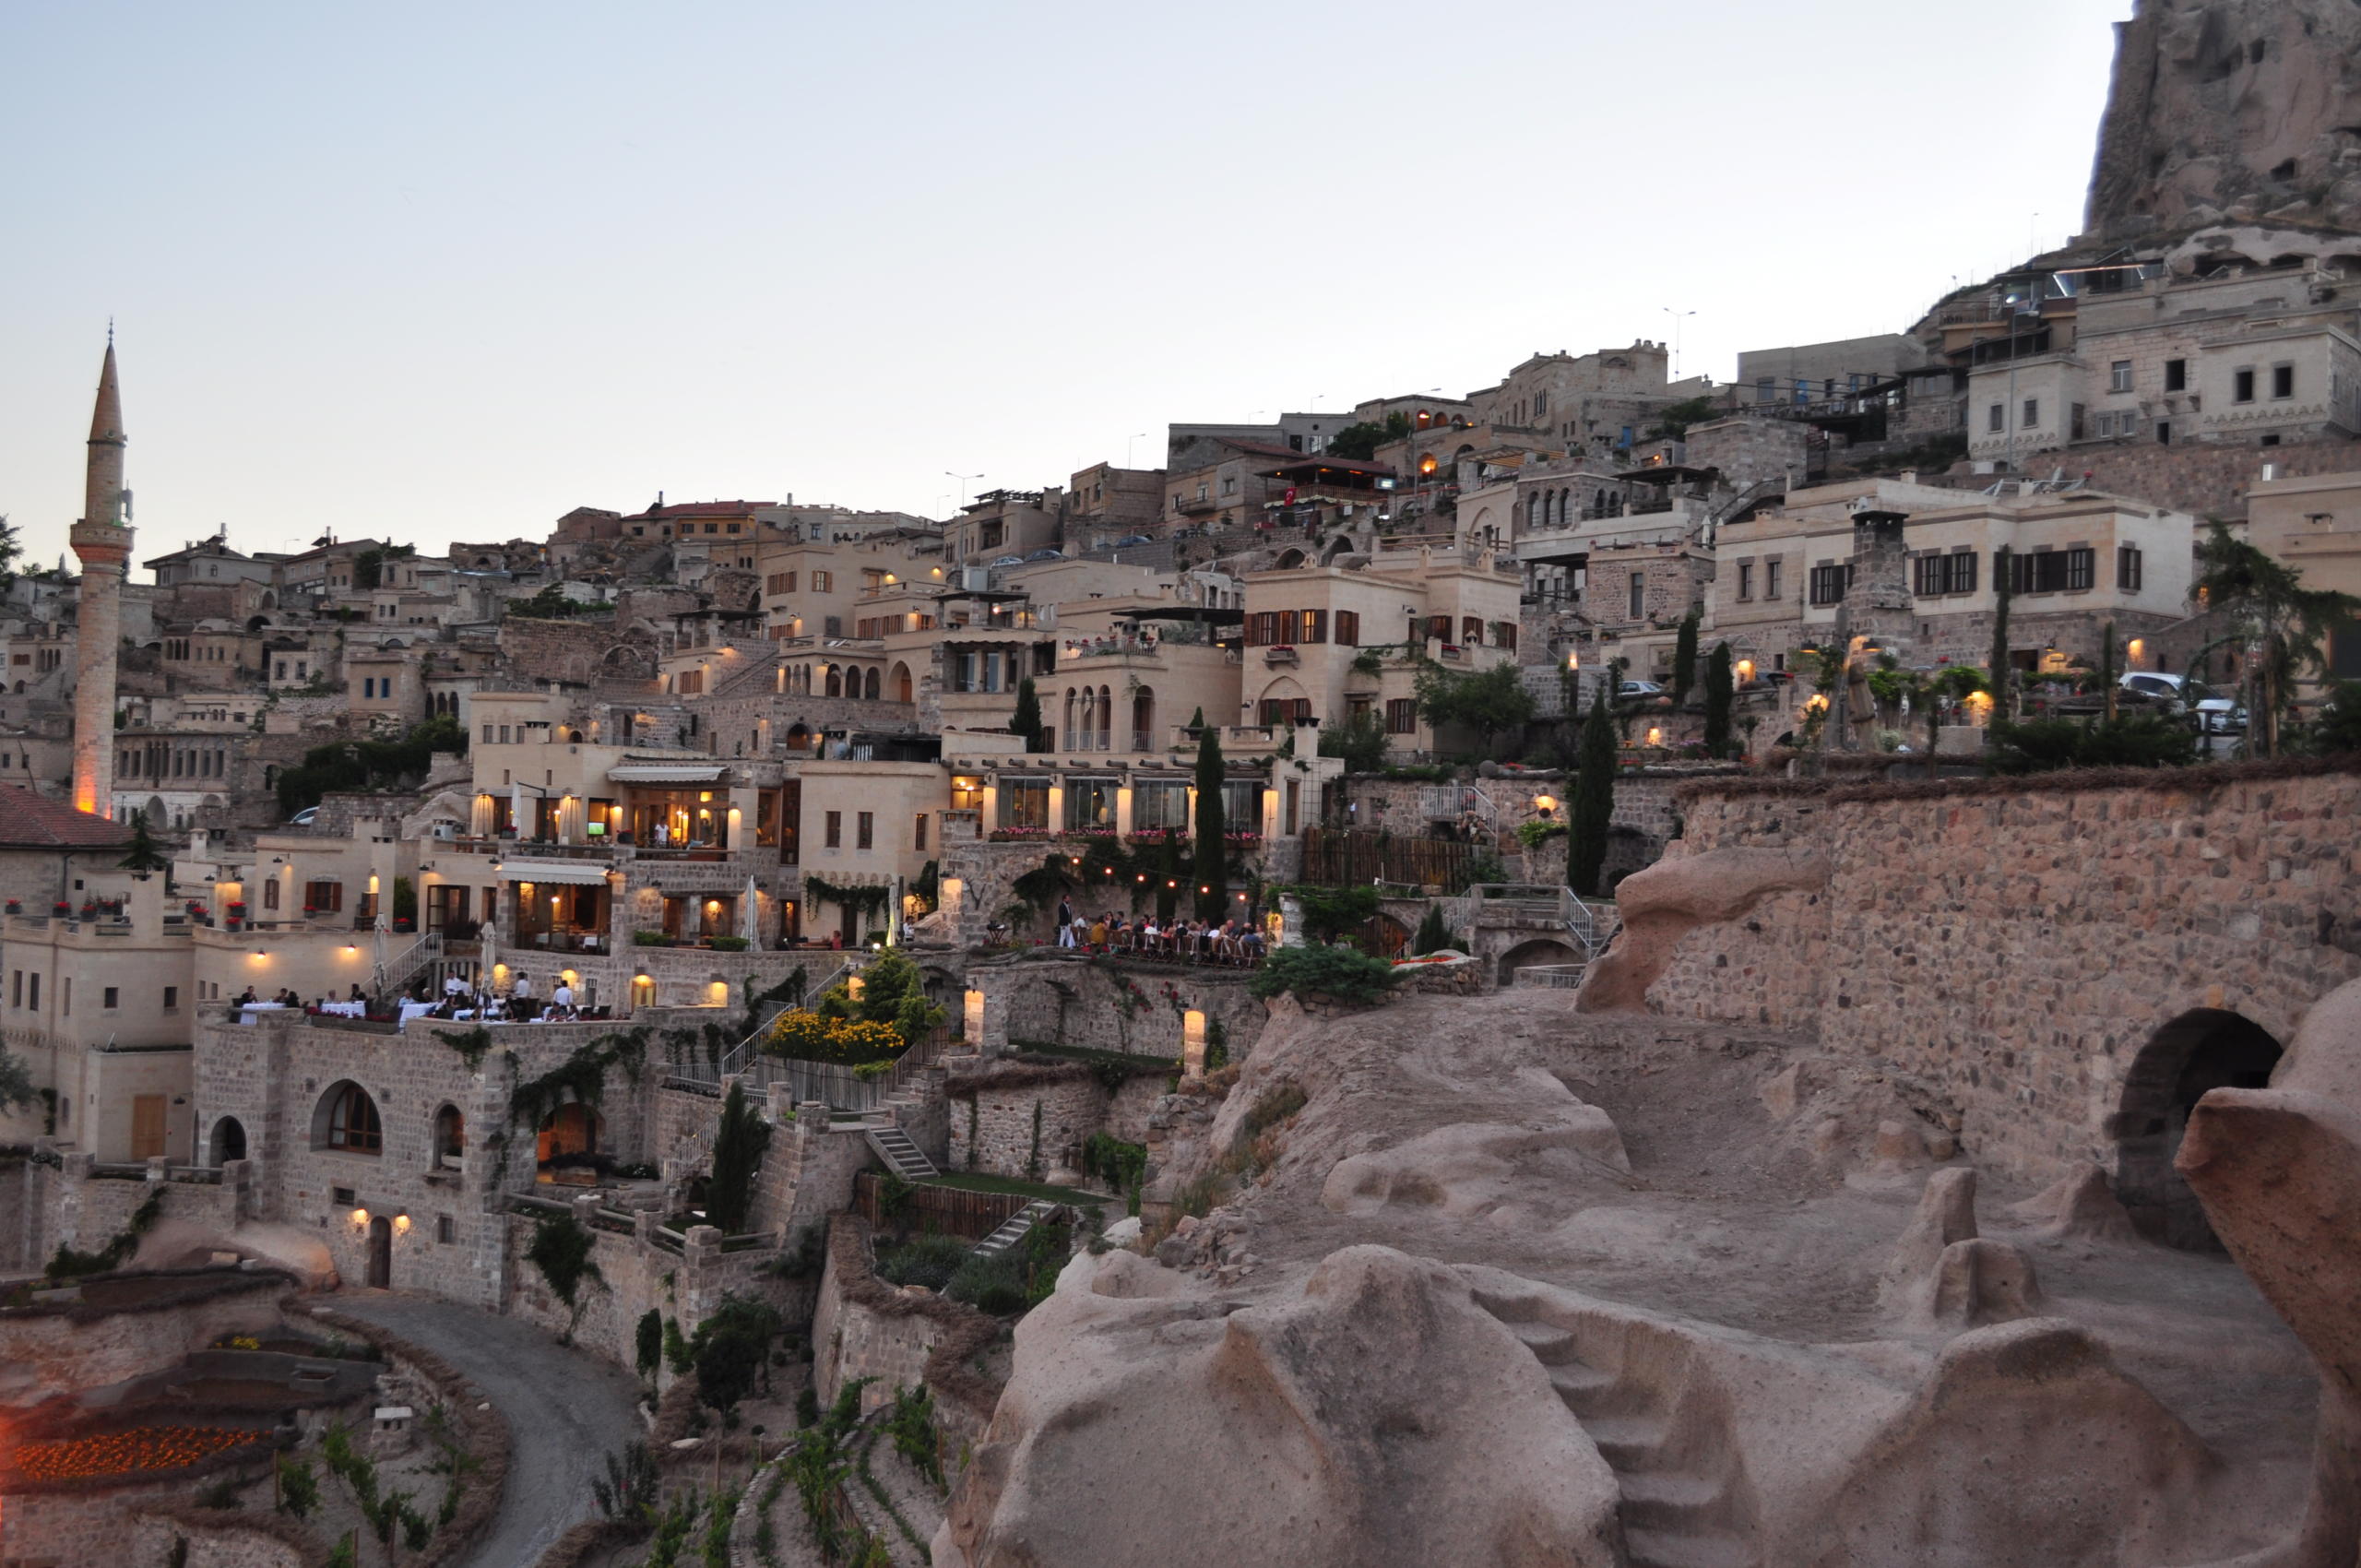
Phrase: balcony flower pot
x=403 y=922
x=15 y=908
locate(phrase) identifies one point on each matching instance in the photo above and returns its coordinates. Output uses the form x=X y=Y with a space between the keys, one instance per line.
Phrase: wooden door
x=147 y=1125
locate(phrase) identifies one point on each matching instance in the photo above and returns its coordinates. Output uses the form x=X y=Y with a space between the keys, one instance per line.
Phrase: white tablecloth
x=416 y=1010
x=253 y=1007
x=346 y=1009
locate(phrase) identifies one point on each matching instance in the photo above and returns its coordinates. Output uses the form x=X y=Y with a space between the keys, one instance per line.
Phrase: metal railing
x=746 y=1059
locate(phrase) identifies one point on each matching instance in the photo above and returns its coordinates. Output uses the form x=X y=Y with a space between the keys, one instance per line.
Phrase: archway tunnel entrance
x=2206 y=1049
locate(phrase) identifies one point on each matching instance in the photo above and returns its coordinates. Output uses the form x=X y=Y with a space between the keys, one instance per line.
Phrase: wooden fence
x=947 y=1211
x=1356 y=857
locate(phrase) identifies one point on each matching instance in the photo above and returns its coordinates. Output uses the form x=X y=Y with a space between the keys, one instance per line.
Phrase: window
x=824 y=582
x=1993 y=419
x=864 y=829
x=111 y=997
x=326 y=896
x=445 y=1232
x=2242 y=386
x=1828 y=584
x=2118 y=377
x=1771 y=570
x=450 y=1136
x=835 y=830
x=1023 y=803
x=270 y=893
x=342 y=1197
x=1349 y=628
x=2032 y=414
x=1471 y=631
x=1310 y=625
x=1638 y=604
x=2054 y=570
x=1504 y=635
x=352 y=1121
x=2105 y=426
x=1746 y=579
x=172 y=997
x=2282 y=381
x=16 y=988
x=32 y=991
x=487 y=733
x=2175 y=376
x=1959 y=571
x=2127 y=567
x=1402 y=716
x=917 y=831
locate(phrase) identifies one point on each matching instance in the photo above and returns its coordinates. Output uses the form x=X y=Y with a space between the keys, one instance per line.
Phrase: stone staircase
x=1014 y=1229
x=902 y=1157
x=1685 y=1503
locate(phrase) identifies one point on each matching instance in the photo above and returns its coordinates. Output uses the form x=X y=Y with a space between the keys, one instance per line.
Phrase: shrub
x=1433 y=933
x=732 y=1350
x=989 y=1284
x=729 y=945
x=1329 y=974
x=930 y=1261
x=2043 y=745
x=650 y=1346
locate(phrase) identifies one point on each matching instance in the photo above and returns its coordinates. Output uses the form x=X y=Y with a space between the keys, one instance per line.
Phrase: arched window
x=1144 y=718
x=836 y=681
x=869 y=685
x=1105 y=719
x=1070 y=732
x=228 y=1141
x=347 y=1120
x=901 y=683
x=450 y=1137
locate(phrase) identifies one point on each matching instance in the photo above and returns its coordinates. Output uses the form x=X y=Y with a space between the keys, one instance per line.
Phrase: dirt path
x=566 y=1411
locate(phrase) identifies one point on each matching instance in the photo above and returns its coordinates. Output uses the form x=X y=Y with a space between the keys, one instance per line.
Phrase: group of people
x=1145 y=937
x=520 y=1005
x=292 y=998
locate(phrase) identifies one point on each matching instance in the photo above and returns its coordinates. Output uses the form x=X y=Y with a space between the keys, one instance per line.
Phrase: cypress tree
x=2003 y=589
x=1720 y=692
x=737 y=1152
x=1213 y=867
x=1028 y=721
x=1594 y=802
x=1684 y=660
x=1432 y=934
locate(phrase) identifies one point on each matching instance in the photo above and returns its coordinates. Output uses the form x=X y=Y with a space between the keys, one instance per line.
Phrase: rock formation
x=1669 y=899
x=2231 y=110
x=2278 y=1172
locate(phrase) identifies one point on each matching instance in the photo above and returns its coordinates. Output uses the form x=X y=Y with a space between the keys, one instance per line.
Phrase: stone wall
x=571 y=651
x=1111 y=1004
x=2204 y=481
x=140 y=1527
x=636 y=1273
x=863 y=1327
x=49 y=1347
x=2013 y=944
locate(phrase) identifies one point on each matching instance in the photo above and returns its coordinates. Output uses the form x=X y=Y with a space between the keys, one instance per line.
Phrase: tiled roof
x=701 y=509
x=35 y=822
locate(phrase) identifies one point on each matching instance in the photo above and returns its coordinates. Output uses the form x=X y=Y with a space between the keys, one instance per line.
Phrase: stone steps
x=1014 y=1229
x=902 y=1157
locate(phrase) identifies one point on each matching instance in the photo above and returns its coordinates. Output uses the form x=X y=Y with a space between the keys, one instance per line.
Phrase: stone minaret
x=102 y=539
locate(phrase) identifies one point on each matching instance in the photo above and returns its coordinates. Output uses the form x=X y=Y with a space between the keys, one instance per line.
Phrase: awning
x=666 y=773
x=579 y=873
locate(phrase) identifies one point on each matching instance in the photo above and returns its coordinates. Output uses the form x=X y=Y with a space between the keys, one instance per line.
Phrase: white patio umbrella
x=749 y=916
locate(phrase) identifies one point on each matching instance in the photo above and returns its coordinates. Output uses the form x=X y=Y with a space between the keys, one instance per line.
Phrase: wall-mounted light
x=360 y=1216
x=401 y=1223
x=1655 y=735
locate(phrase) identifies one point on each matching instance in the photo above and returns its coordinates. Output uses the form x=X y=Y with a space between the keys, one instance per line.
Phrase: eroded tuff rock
x=2231 y=110
x=1376 y=1416
x=2278 y=1172
x=1669 y=899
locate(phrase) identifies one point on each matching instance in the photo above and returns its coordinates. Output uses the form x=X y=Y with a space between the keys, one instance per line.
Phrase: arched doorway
x=227 y=1142
x=569 y=1142
x=2202 y=1050
x=381 y=1253
x=1534 y=955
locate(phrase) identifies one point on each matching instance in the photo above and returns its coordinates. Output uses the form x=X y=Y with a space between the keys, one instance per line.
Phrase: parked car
x=1047 y=556
x=2220 y=715
x=1130 y=539
x=304 y=818
x=1009 y=560
x=2154 y=684
x=1639 y=689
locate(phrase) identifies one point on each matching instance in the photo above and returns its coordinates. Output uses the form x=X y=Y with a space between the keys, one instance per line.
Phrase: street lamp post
x=1678 y=318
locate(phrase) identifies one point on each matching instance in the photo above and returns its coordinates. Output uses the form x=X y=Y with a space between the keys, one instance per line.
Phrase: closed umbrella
x=749 y=918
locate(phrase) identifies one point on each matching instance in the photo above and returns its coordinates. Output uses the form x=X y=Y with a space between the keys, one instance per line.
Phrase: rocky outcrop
x=2279 y=1172
x=1311 y=1431
x=1665 y=902
x=2228 y=110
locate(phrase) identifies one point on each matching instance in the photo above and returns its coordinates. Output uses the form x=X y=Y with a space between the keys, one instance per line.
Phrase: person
x=247 y=998
x=1099 y=935
x=562 y=1000
x=1065 y=924
x=356 y=995
x=523 y=989
x=453 y=986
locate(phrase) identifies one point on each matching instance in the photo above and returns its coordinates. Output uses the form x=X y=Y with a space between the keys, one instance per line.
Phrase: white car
x=2162 y=688
x=1639 y=689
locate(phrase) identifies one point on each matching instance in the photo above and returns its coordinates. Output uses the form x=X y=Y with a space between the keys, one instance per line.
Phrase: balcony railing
x=1281 y=656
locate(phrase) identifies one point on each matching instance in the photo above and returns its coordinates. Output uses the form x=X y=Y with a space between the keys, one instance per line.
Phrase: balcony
x=1197 y=506
x=1278 y=657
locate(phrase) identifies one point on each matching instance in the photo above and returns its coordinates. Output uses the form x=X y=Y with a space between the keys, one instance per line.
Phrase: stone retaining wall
x=865 y=1327
x=1112 y=1004
x=2013 y=944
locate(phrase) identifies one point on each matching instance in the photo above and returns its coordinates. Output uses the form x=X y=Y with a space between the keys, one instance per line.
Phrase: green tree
x=12 y=549
x=2337 y=731
x=1488 y=701
x=2264 y=603
x=1359 y=443
x=1592 y=810
x=738 y=1148
x=1213 y=858
x=1684 y=660
x=1360 y=740
x=143 y=854
x=2004 y=589
x=732 y=1350
x=1433 y=933
x=562 y=1249
x=1328 y=974
x=1332 y=912
x=650 y=1342
x=1028 y=721
x=1721 y=692
x=1674 y=419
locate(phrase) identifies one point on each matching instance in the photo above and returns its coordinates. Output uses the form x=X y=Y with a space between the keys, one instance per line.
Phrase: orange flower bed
x=114 y=1453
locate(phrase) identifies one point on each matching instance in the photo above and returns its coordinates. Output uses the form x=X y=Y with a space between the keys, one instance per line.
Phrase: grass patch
x=1141 y=1066
x=929 y=1261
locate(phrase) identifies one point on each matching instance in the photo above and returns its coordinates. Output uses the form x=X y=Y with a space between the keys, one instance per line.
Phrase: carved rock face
x=2227 y=110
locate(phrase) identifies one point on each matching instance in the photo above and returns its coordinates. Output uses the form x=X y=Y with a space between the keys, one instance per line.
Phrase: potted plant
x=15 y=908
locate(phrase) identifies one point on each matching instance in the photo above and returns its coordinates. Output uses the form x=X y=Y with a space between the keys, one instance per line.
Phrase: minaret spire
x=103 y=543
